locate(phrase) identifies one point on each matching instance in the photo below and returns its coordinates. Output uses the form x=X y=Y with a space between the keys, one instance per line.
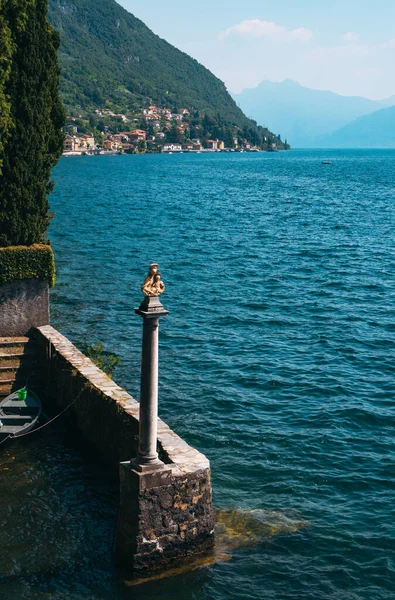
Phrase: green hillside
x=108 y=55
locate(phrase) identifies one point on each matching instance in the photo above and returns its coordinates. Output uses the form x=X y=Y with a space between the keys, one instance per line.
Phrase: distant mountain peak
x=376 y=130
x=302 y=115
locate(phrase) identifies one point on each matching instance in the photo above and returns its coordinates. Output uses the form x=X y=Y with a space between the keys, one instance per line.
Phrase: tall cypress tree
x=31 y=130
x=6 y=49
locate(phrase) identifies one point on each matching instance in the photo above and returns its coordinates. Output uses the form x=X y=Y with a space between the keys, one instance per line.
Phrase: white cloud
x=351 y=37
x=255 y=29
x=389 y=44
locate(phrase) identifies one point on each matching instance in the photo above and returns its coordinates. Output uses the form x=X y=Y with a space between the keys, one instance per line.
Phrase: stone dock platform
x=165 y=510
x=163 y=517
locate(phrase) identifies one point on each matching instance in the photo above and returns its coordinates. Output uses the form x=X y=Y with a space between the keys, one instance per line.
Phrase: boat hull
x=17 y=416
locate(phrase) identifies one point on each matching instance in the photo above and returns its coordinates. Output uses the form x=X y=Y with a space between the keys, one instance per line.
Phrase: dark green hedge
x=27 y=262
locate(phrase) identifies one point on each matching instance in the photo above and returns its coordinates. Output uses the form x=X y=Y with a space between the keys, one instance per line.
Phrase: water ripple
x=277 y=361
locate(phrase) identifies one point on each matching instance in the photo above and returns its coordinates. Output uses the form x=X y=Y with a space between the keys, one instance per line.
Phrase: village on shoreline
x=154 y=130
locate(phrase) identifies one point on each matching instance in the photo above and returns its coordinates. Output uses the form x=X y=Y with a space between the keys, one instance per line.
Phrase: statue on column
x=153 y=285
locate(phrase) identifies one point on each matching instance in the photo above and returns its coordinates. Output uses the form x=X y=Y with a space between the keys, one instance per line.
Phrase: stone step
x=24 y=366
x=10 y=375
x=13 y=353
x=5 y=389
x=18 y=349
x=11 y=341
x=7 y=376
x=10 y=364
x=15 y=383
x=8 y=388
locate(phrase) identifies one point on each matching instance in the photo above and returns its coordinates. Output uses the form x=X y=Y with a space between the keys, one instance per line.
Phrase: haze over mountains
x=310 y=118
x=376 y=130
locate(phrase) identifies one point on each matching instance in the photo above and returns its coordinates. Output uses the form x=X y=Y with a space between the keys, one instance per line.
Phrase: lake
x=276 y=361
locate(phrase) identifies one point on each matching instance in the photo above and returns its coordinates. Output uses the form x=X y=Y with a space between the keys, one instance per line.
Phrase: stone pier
x=165 y=513
x=162 y=517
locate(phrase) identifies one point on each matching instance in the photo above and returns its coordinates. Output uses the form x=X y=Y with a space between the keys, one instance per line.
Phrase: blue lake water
x=276 y=361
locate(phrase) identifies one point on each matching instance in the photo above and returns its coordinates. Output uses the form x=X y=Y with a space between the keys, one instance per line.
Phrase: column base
x=146 y=467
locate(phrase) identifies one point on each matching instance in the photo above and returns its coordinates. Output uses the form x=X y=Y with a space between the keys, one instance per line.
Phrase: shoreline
x=204 y=151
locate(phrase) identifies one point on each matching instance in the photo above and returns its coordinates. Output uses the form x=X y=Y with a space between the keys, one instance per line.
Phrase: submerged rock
x=235 y=528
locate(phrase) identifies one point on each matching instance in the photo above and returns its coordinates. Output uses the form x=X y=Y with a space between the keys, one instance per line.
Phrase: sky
x=346 y=46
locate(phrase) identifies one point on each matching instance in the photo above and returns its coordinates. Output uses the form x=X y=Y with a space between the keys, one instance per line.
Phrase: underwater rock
x=235 y=528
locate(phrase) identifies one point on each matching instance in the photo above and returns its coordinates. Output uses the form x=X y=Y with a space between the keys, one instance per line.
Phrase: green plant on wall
x=105 y=361
x=27 y=262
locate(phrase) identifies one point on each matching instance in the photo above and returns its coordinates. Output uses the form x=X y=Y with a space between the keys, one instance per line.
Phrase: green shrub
x=27 y=262
x=105 y=361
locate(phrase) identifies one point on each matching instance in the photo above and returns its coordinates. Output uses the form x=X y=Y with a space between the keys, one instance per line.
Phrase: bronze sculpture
x=152 y=285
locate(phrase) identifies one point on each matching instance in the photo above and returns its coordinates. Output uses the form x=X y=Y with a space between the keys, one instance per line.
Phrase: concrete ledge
x=163 y=517
x=23 y=304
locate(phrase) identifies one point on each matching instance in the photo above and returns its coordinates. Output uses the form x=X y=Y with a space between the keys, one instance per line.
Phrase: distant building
x=172 y=148
x=151 y=117
x=212 y=144
x=82 y=143
x=137 y=135
x=109 y=144
x=123 y=117
x=87 y=141
x=71 y=143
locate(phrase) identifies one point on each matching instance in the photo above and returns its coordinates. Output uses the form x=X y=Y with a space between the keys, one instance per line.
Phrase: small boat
x=19 y=413
x=326 y=162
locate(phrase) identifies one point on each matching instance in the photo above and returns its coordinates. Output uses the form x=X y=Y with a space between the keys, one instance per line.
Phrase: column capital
x=151 y=308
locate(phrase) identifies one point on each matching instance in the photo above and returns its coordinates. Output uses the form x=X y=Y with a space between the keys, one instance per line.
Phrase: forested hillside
x=107 y=54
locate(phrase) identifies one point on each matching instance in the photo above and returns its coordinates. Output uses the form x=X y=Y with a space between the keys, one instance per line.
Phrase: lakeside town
x=157 y=130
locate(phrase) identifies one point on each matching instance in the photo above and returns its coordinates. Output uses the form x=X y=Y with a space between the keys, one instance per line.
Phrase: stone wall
x=23 y=304
x=164 y=516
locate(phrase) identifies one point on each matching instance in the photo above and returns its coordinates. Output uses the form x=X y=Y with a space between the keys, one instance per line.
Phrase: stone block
x=158 y=521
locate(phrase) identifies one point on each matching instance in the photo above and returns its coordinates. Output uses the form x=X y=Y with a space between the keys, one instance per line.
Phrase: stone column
x=151 y=310
x=165 y=510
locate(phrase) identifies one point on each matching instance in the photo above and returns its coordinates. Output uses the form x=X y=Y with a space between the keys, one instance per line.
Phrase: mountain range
x=376 y=130
x=310 y=118
x=108 y=57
